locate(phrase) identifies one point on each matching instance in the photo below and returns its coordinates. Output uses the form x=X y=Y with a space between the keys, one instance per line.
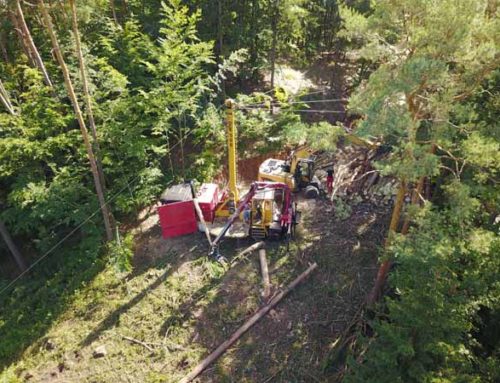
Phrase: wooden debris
x=248 y=250
x=356 y=178
x=136 y=341
x=265 y=273
x=247 y=325
x=202 y=220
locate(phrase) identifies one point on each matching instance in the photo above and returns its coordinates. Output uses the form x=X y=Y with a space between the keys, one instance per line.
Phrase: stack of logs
x=355 y=178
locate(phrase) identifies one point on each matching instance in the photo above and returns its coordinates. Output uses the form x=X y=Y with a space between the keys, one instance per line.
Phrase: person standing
x=329 y=180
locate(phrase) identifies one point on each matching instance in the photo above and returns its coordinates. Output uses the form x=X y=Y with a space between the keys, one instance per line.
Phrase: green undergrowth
x=57 y=325
x=158 y=320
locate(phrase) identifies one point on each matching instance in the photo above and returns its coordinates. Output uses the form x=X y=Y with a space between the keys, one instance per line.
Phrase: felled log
x=265 y=273
x=248 y=250
x=247 y=325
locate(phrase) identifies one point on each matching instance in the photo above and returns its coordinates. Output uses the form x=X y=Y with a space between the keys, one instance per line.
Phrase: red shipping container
x=208 y=198
x=177 y=218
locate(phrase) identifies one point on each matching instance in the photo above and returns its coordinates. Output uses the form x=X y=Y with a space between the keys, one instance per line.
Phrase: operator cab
x=265 y=214
x=304 y=172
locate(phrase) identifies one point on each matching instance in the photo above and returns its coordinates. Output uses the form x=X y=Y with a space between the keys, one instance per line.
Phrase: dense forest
x=104 y=103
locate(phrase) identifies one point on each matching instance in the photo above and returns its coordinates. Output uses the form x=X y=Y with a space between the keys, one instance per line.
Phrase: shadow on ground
x=34 y=302
x=291 y=343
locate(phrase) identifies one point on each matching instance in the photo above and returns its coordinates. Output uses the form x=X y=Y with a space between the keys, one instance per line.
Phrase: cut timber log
x=202 y=220
x=247 y=325
x=248 y=250
x=265 y=273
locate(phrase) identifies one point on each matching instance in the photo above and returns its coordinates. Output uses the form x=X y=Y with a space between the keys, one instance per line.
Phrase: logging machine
x=266 y=211
x=297 y=171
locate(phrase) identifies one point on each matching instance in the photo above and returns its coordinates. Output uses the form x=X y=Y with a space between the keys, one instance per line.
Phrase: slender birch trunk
x=4 y=98
x=86 y=93
x=81 y=122
x=21 y=264
x=31 y=44
x=22 y=38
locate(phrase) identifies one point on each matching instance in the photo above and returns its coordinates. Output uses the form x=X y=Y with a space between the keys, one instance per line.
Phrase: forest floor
x=179 y=306
x=157 y=322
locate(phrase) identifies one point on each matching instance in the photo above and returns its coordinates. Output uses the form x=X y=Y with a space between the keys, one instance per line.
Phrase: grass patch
x=182 y=305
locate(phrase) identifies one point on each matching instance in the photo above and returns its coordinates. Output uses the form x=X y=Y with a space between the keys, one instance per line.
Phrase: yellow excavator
x=297 y=171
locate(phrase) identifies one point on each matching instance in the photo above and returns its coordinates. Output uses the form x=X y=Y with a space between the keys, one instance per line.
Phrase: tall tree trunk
x=219 y=32
x=220 y=46
x=12 y=247
x=81 y=122
x=274 y=43
x=31 y=44
x=386 y=265
x=125 y=10
x=4 y=98
x=113 y=11
x=255 y=38
x=417 y=192
x=86 y=93
x=3 y=48
x=22 y=38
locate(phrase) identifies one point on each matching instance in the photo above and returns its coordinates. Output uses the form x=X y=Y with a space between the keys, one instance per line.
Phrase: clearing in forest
x=176 y=306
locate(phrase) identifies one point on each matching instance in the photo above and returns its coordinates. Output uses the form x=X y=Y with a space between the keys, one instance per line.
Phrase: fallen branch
x=136 y=341
x=247 y=325
x=248 y=250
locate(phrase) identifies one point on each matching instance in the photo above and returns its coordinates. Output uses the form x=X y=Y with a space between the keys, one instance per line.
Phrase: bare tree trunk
x=181 y=143
x=113 y=10
x=86 y=93
x=169 y=152
x=81 y=122
x=219 y=32
x=125 y=9
x=255 y=37
x=417 y=192
x=3 y=48
x=4 y=97
x=12 y=247
x=31 y=45
x=22 y=38
x=385 y=266
x=274 y=43
x=219 y=45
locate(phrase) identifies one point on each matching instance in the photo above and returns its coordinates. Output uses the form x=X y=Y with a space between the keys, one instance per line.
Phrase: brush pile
x=355 y=177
